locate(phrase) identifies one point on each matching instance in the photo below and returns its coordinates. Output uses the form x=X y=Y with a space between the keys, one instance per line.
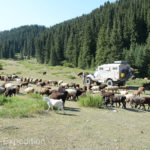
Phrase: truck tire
x=109 y=82
x=88 y=81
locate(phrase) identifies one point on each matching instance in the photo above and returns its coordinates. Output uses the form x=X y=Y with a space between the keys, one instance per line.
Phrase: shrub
x=71 y=77
x=67 y=64
x=19 y=107
x=91 y=101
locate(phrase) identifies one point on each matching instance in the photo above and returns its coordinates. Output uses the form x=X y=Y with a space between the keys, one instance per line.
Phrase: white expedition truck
x=116 y=73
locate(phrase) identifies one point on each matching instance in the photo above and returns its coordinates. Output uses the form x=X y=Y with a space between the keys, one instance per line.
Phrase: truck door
x=115 y=73
x=100 y=72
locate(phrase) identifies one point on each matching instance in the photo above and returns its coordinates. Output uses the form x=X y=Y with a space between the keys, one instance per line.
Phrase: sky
x=16 y=13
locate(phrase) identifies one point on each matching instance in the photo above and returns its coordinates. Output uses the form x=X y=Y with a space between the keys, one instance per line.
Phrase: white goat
x=54 y=103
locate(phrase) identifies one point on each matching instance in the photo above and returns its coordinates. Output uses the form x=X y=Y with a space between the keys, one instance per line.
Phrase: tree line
x=114 y=31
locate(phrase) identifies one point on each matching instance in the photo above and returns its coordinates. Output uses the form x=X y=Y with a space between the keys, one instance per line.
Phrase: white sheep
x=64 y=84
x=128 y=96
x=9 y=85
x=60 y=82
x=18 y=79
x=112 y=88
x=29 y=90
x=123 y=93
x=71 y=92
x=54 y=103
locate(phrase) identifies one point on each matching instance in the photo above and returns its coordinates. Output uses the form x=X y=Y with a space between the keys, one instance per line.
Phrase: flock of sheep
x=57 y=97
x=13 y=85
x=122 y=94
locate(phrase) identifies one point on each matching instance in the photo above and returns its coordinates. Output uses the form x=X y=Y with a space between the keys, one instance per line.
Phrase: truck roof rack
x=120 y=62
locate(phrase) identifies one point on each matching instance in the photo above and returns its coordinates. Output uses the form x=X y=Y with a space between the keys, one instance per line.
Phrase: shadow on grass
x=67 y=114
x=133 y=87
x=72 y=109
x=21 y=94
x=135 y=110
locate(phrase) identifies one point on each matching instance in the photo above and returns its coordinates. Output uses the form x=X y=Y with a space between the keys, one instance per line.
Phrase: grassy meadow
x=26 y=123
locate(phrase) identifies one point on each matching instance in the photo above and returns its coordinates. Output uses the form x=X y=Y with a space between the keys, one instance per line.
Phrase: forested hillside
x=19 y=40
x=115 y=31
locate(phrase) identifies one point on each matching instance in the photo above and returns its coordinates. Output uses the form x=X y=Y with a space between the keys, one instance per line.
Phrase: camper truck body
x=111 y=74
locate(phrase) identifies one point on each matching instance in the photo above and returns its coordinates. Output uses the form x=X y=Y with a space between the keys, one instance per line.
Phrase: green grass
x=61 y=73
x=71 y=77
x=4 y=99
x=35 y=96
x=18 y=72
x=20 y=107
x=91 y=101
x=137 y=81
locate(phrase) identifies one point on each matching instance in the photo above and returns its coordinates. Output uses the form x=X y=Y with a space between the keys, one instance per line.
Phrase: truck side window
x=100 y=68
x=114 y=68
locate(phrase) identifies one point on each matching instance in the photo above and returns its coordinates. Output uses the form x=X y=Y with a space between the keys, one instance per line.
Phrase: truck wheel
x=109 y=82
x=88 y=81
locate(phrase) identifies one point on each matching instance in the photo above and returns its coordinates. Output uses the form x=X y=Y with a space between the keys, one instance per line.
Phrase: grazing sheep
x=18 y=79
x=106 y=96
x=112 y=88
x=43 y=91
x=142 y=89
x=59 y=95
x=118 y=99
x=54 y=103
x=55 y=83
x=71 y=93
x=136 y=93
x=123 y=93
x=29 y=90
x=128 y=96
x=8 y=85
x=64 y=84
x=44 y=73
x=124 y=87
x=137 y=101
x=10 y=91
x=46 y=82
x=24 y=84
x=147 y=101
x=41 y=84
x=60 y=82
x=17 y=87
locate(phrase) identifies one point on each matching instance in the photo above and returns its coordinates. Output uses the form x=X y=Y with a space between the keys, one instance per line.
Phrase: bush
x=71 y=77
x=19 y=107
x=67 y=64
x=91 y=101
